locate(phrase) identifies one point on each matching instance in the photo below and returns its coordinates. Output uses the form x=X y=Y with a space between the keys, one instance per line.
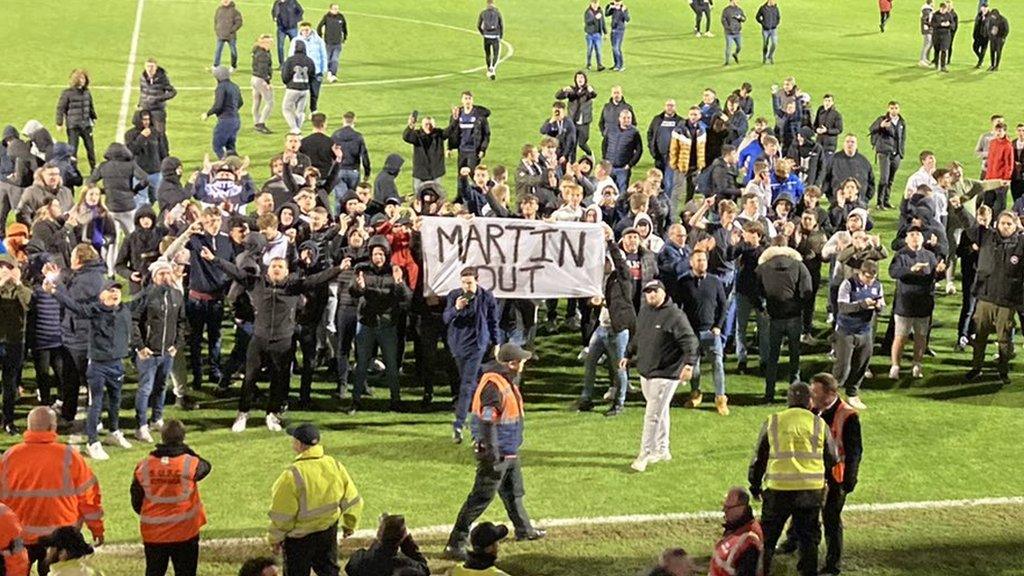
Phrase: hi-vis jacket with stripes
x=311 y=495
x=49 y=485
x=794 y=450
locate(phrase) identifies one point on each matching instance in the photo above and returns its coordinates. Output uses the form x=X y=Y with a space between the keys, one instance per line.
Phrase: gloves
x=848 y=487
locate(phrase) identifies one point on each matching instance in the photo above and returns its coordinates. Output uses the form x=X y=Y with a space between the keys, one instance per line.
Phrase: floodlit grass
x=931 y=439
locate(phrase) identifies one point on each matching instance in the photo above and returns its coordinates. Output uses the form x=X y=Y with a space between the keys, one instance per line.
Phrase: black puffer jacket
x=581 y=101
x=353 y=148
x=664 y=342
x=121 y=177
x=358 y=258
x=23 y=162
x=156 y=91
x=75 y=108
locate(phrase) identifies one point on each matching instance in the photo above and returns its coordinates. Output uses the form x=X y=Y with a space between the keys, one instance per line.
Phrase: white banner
x=515 y=258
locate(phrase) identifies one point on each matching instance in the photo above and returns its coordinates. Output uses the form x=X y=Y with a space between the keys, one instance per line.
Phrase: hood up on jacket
x=62 y=152
x=145 y=211
x=300 y=47
x=379 y=241
x=169 y=167
x=393 y=164
x=118 y=152
x=779 y=252
x=10 y=133
x=31 y=127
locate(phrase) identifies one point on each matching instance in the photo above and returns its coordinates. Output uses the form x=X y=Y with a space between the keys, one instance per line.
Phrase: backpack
x=490 y=22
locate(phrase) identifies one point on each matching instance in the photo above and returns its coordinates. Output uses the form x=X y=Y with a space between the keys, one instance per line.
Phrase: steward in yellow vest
x=793 y=452
x=310 y=497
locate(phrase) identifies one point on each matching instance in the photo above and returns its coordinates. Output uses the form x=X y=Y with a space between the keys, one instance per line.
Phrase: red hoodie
x=1000 y=159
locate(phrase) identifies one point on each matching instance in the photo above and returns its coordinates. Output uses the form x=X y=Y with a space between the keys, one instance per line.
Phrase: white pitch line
x=442 y=530
x=129 y=74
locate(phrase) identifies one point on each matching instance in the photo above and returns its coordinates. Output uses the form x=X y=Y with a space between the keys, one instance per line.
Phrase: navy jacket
x=84 y=285
x=474 y=329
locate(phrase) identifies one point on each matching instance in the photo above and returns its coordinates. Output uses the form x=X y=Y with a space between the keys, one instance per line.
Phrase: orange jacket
x=171 y=510
x=49 y=485
x=11 y=545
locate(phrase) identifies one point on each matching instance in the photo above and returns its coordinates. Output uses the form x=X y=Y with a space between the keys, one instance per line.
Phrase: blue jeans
x=368 y=339
x=613 y=346
x=711 y=344
x=594 y=46
x=153 y=372
x=204 y=316
x=771 y=42
x=225 y=135
x=233 y=45
x=728 y=284
x=103 y=377
x=744 y=306
x=621 y=177
x=347 y=180
x=333 y=56
x=730 y=41
x=147 y=195
x=469 y=376
x=290 y=33
x=668 y=184
x=617 y=36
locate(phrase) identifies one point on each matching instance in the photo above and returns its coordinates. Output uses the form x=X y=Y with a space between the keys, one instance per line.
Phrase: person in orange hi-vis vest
x=12 y=547
x=48 y=485
x=165 y=495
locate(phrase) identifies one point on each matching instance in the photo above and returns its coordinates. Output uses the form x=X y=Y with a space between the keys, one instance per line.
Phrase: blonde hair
x=79 y=77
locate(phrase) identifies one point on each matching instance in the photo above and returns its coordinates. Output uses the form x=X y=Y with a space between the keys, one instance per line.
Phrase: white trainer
x=856 y=402
x=117 y=438
x=143 y=435
x=273 y=423
x=240 y=420
x=916 y=372
x=641 y=462
x=96 y=451
x=894 y=373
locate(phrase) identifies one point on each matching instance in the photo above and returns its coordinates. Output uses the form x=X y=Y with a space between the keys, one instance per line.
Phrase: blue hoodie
x=315 y=49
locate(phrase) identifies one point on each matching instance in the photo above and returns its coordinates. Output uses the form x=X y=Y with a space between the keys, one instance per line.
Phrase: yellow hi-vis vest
x=797 y=440
x=311 y=495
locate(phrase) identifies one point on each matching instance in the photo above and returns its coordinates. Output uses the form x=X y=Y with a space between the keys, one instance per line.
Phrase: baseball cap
x=511 y=352
x=630 y=230
x=393 y=200
x=112 y=284
x=307 y=433
x=653 y=285
x=487 y=533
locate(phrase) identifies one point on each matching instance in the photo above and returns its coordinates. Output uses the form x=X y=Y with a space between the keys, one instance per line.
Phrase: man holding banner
x=471 y=315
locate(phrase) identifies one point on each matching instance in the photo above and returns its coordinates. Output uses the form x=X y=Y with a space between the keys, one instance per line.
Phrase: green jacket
x=14 y=300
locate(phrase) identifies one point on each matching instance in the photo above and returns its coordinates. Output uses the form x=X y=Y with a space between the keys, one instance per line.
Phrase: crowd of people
x=142 y=262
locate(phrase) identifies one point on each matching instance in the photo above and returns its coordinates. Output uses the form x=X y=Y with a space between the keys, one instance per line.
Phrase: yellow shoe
x=695 y=399
x=722 y=404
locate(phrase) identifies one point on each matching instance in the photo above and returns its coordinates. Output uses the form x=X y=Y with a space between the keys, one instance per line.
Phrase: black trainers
x=12 y=429
x=584 y=406
x=786 y=547
x=613 y=411
x=532 y=534
x=972 y=374
x=1004 y=377
x=456 y=436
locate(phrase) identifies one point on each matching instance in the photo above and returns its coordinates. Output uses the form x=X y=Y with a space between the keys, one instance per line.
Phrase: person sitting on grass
x=393 y=550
